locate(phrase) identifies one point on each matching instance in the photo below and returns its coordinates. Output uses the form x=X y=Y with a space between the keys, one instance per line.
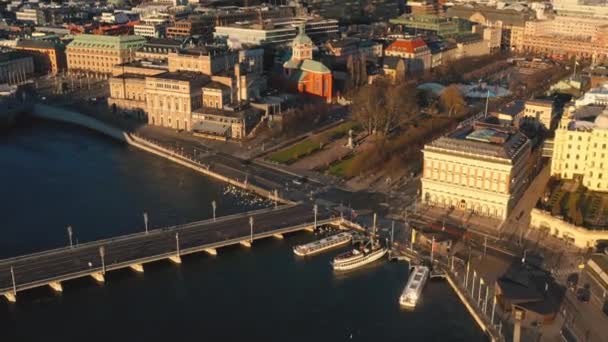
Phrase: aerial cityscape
x=369 y=170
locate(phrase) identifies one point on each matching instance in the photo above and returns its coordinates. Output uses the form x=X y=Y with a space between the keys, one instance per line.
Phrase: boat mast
x=373 y=231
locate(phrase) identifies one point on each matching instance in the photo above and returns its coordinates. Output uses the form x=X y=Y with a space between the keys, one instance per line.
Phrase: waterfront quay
x=96 y=258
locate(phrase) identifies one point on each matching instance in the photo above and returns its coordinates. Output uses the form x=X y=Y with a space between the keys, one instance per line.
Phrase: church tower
x=302 y=46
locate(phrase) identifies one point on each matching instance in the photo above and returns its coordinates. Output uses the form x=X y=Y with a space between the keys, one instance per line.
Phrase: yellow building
x=95 y=54
x=479 y=169
x=542 y=111
x=580 y=147
x=172 y=96
x=48 y=57
x=201 y=59
x=127 y=92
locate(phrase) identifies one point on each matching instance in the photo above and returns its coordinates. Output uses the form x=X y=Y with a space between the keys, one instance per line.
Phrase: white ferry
x=323 y=244
x=359 y=256
x=413 y=288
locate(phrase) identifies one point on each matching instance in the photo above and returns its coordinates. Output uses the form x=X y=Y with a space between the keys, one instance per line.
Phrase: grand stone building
x=479 y=169
x=95 y=54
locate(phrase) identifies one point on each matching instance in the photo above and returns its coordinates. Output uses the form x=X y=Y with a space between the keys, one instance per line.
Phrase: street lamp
x=213 y=206
x=102 y=253
x=315 y=209
x=146 y=221
x=481 y=282
x=251 y=226
x=473 y=284
x=70 y=235
x=177 y=243
x=14 y=283
x=276 y=198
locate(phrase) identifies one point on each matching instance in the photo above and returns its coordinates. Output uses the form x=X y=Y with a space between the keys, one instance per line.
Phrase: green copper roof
x=94 y=41
x=314 y=66
x=307 y=65
x=301 y=37
x=298 y=76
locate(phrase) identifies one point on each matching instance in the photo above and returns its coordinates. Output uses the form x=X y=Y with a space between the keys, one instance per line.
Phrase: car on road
x=567 y=335
x=584 y=293
x=572 y=281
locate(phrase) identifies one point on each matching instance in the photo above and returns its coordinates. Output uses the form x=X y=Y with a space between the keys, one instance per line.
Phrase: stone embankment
x=75 y=118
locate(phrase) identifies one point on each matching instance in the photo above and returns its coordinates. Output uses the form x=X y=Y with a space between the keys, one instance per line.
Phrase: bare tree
x=452 y=100
x=381 y=106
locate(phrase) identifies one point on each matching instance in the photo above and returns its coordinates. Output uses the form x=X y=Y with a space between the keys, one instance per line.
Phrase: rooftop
x=513 y=108
x=483 y=141
x=12 y=55
x=406 y=45
x=194 y=78
x=35 y=44
x=540 y=102
x=507 y=16
x=107 y=42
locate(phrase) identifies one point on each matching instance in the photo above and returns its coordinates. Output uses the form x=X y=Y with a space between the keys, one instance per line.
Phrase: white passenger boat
x=413 y=288
x=323 y=244
x=358 y=257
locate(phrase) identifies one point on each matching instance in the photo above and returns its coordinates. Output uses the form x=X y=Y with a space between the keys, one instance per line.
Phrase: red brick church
x=304 y=74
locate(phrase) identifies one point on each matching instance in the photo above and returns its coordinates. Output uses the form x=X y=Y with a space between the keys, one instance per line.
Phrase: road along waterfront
x=64 y=176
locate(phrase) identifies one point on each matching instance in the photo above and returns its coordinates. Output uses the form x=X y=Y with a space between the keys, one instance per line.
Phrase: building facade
x=195 y=26
x=153 y=30
x=171 y=97
x=277 y=32
x=208 y=61
x=414 y=51
x=48 y=57
x=98 y=55
x=15 y=67
x=476 y=169
x=542 y=111
x=31 y=15
x=580 y=147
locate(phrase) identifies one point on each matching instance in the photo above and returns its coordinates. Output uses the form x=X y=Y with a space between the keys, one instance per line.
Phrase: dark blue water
x=53 y=176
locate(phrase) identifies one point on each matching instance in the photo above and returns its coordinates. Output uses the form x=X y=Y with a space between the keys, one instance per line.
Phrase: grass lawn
x=341 y=130
x=309 y=146
x=295 y=152
x=341 y=168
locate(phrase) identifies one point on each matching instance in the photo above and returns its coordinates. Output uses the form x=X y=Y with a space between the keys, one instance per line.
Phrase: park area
x=314 y=143
x=574 y=203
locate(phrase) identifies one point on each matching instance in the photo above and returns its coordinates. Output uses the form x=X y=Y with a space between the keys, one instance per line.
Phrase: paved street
x=38 y=269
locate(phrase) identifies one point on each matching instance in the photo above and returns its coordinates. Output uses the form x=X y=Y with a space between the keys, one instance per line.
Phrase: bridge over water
x=96 y=258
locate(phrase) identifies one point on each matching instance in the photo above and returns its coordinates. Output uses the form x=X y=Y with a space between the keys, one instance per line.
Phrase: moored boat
x=413 y=288
x=358 y=257
x=323 y=244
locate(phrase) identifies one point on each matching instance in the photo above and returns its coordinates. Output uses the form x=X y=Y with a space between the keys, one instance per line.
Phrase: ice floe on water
x=245 y=198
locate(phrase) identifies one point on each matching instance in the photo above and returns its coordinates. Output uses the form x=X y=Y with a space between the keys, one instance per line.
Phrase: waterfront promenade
x=95 y=259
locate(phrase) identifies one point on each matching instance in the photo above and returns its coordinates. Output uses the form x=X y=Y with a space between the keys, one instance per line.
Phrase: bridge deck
x=62 y=264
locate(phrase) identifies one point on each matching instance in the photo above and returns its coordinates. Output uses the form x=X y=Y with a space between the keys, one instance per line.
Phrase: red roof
x=406 y=45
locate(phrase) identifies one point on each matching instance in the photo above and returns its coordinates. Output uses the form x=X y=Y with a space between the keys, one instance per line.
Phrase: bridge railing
x=165 y=255
x=143 y=233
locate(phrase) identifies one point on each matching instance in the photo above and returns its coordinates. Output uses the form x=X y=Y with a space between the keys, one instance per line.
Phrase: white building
x=580 y=8
x=595 y=96
x=114 y=18
x=150 y=30
x=580 y=147
x=276 y=32
x=479 y=169
x=32 y=15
